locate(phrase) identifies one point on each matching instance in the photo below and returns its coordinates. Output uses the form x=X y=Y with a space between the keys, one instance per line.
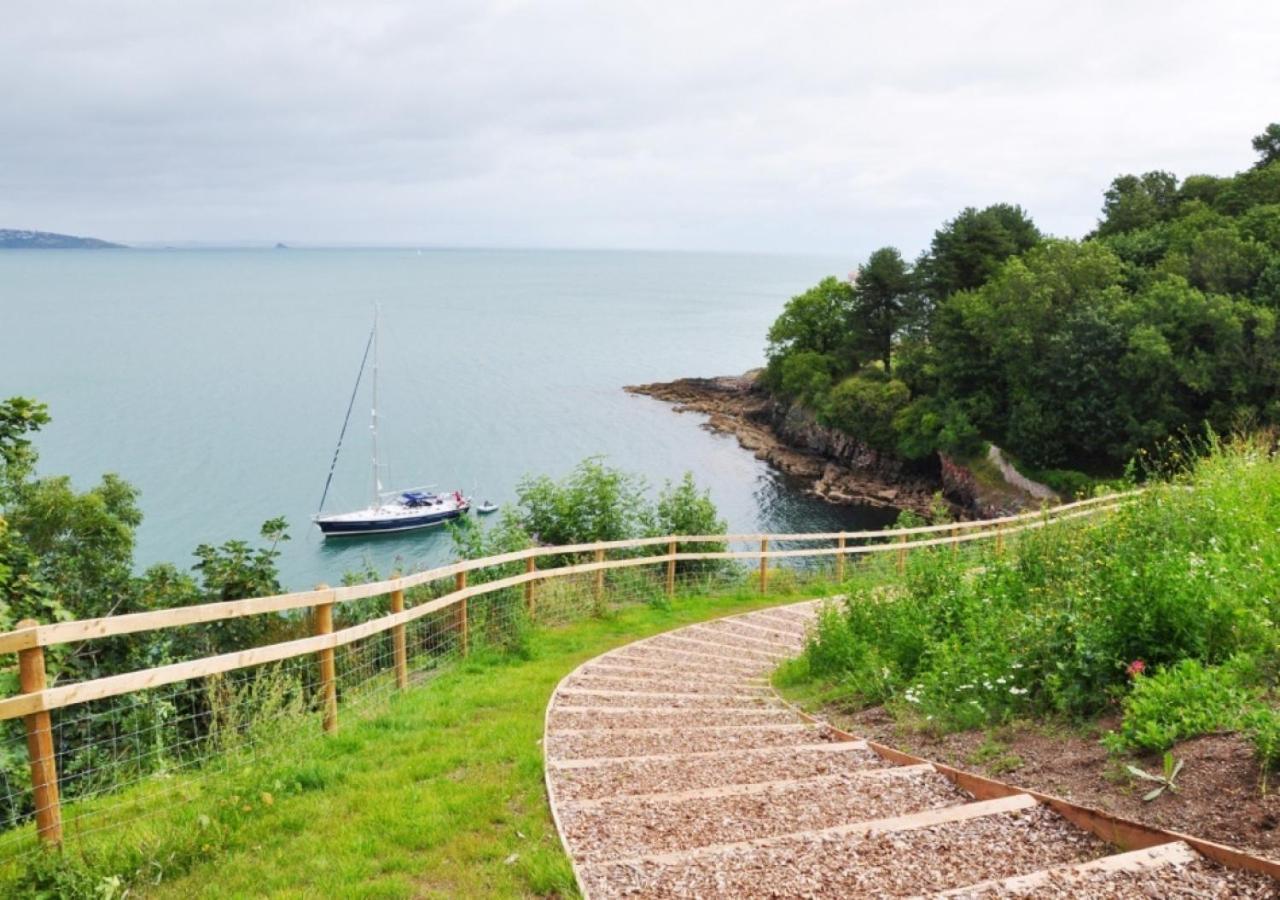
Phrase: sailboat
x=390 y=511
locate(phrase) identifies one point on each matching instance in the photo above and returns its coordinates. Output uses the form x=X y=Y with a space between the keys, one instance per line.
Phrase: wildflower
x=1017 y=691
x=1135 y=668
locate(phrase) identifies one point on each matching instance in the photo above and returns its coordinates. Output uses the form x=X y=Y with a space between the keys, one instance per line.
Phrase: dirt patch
x=1219 y=789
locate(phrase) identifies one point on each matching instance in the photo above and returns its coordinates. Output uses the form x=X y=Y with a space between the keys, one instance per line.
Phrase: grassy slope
x=440 y=794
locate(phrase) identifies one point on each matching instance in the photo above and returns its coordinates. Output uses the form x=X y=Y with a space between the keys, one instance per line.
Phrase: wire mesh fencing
x=124 y=757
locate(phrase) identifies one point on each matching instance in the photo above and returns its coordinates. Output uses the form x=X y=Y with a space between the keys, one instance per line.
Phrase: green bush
x=1262 y=724
x=1050 y=626
x=1176 y=703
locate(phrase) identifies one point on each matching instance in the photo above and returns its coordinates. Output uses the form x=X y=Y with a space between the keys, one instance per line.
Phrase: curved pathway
x=675 y=771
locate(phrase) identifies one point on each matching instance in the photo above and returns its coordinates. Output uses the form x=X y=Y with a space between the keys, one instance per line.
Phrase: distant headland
x=11 y=239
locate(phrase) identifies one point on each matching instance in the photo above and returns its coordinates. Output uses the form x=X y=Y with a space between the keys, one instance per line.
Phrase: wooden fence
x=37 y=699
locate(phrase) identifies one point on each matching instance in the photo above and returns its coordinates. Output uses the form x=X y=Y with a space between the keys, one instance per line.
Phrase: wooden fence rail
x=38 y=699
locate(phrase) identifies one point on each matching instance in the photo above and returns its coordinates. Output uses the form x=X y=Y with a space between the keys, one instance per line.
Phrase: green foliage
x=1069 y=354
x=1262 y=724
x=1179 y=701
x=805 y=376
x=867 y=404
x=883 y=307
x=815 y=321
x=594 y=502
x=684 y=509
x=1183 y=580
x=969 y=249
x=1268 y=145
x=1165 y=781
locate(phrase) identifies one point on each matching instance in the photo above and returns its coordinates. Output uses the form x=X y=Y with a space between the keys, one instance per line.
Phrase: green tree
x=865 y=405
x=970 y=248
x=882 y=305
x=1267 y=145
x=814 y=321
x=594 y=502
x=1138 y=201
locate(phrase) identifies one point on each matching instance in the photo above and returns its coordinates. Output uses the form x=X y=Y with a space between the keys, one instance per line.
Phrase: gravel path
x=675 y=771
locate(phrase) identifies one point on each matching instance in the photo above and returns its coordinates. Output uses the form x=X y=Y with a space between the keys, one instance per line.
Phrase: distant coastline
x=18 y=239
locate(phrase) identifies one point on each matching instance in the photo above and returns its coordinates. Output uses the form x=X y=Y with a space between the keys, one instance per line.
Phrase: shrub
x=1176 y=575
x=1262 y=724
x=1178 y=702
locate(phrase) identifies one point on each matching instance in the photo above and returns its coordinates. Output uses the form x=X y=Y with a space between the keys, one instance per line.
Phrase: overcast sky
x=744 y=125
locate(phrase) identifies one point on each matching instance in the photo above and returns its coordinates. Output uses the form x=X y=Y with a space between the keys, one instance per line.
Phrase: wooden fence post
x=955 y=547
x=599 y=588
x=902 y=555
x=323 y=624
x=671 y=570
x=999 y=540
x=840 y=559
x=464 y=628
x=39 y=726
x=399 y=647
x=764 y=566
x=530 y=566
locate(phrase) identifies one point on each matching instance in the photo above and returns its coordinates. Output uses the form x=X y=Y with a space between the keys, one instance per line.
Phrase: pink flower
x=1136 y=668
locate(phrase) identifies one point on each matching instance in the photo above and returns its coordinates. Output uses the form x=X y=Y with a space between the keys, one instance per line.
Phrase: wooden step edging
x=751 y=787
x=944 y=815
x=1117 y=831
x=1170 y=854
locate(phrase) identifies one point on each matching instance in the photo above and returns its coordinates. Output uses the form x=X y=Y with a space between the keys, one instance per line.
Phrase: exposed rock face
x=839 y=467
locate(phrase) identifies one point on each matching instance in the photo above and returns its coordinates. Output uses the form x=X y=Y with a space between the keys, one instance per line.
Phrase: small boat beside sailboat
x=390 y=511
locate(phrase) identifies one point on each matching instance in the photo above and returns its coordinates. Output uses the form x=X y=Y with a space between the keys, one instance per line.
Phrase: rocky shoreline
x=837 y=468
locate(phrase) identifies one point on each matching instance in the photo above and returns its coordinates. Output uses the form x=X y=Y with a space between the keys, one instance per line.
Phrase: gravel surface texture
x=1200 y=879
x=760 y=631
x=628 y=828
x=692 y=773
x=578 y=720
x=681 y=683
x=688 y=700
x=676 y=772
x=893 y=864
x=627 y=668
x=743 y=642
x=605 y=743
x=753 y=658
x=689 y=662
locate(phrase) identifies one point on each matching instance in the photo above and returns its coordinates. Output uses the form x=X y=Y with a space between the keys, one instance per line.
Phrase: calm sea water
x=216 y=381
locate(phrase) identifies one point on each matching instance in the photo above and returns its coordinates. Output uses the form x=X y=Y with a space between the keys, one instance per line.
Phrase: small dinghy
x=487 y=507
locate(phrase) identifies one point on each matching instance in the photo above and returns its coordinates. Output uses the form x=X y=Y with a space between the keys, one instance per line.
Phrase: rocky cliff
x=837 y=466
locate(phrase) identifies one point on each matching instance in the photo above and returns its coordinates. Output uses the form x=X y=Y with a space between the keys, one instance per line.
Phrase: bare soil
x=1219 y=797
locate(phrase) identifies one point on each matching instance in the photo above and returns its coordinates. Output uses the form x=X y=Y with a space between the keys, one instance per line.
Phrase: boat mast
x=373 y=427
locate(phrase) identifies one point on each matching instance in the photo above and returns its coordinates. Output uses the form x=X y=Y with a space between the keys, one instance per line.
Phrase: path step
x=928 y=851
x=584 y=779
x=599 y=697
x=637 y=826
x=604 y=743
x=683 y=684
x=728 y=638
x=625 y=668
x=577 y=718
x=701 y=657
x=757 y=658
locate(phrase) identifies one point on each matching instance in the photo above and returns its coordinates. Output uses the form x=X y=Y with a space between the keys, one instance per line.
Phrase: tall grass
x=1069 y=618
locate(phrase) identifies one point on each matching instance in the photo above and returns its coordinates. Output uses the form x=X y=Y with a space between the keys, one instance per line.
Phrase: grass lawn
x=439 y=793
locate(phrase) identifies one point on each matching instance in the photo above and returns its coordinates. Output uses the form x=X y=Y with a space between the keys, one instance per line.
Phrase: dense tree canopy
x=1069 y=353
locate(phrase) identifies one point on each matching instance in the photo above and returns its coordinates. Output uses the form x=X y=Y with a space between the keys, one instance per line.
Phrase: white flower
x=1017 y=691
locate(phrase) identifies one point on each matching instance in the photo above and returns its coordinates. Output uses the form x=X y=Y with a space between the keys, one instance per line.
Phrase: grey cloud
x=750 y=125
